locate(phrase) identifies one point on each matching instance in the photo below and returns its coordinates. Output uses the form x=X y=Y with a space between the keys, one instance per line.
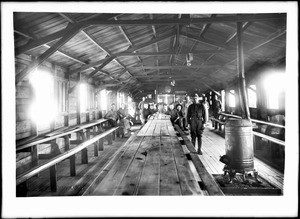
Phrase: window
x=252 y=96
x=83 y=97
x=231 y=98
x=91 y=99
x=120 y=99
x=223 y=99
x=103 y=100
x=274 y=86
x=60 y=95
x=43 y=109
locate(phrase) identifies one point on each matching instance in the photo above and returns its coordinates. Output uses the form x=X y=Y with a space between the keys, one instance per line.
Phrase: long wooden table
x=153 y=163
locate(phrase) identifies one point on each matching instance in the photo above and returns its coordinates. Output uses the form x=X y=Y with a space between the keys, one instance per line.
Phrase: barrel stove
x=239 y=157
x=239 y=144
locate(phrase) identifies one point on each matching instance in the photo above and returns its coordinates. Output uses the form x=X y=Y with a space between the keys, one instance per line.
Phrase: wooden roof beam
x=96 y=70
x=185 y=21
x=177 y=66
x=30 y=36
x=220 y=51
x=230 y=38
x=129 y=41
x=37 y=43
x=206 y=41
x=85 y=24
x=263 y=42
x=47 y=54
x=129 y=51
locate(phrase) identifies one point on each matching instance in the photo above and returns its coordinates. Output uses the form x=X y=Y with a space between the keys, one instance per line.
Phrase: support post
x=241 y=71
x=53 y=178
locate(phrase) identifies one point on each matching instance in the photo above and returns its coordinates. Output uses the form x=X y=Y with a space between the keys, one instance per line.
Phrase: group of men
x=191 y=116
x=119 y=117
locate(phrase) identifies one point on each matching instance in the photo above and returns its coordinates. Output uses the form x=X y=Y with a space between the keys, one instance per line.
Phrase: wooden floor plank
x=214 y=146
x=157 y=127
x=129 y=183
x=169 y=180
x=144 y=129
x=151 y=128
x=164 y=128
x=109 y=184
x=188 y=184
x=149 y=182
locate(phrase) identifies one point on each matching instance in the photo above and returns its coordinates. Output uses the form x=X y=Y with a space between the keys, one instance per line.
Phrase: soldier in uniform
x=196 y=119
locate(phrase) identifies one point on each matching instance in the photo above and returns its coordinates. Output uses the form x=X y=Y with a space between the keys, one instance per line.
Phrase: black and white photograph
x=149 y=109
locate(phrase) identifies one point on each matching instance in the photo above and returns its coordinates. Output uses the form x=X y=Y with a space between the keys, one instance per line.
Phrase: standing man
x=141 y=108
x=217 y=109
x=196 y=119
x=124 y=120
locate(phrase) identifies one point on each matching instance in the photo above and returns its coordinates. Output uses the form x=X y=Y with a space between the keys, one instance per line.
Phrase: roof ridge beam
x=224 y=19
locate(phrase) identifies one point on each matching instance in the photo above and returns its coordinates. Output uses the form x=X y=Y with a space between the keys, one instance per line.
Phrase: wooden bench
x=216 y=123
x=22 y=178
x=209 y=183
x=83 y=133
x=258 y=134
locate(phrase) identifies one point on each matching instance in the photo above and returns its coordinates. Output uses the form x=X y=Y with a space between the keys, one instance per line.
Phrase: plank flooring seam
x=128 y=165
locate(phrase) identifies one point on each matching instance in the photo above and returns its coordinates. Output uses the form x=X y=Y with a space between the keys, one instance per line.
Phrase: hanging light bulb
x=189 y=56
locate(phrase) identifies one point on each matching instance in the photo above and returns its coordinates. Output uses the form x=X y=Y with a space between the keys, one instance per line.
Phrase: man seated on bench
x=112 y=116
x=124 y=120
x=180 y=119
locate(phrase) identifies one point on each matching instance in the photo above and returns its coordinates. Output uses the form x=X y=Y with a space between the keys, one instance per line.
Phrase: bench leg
x=101 y=148
x=84 y=156
x=35 y=157
x=96 y=149
x=53 y=178
x=109 y=139
x=67 y=143
x=22 y=189
x=113 y=135
x=220 y=127
x=73 y=165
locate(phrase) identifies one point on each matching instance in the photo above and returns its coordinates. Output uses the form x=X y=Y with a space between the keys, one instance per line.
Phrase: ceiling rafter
x=85 y=24
x=229 y=39
x=129 y=41
x=33 y=65
x=97 y=69
x=223 y=19
x=130 y=51
x=32 y=37
x=263 y=42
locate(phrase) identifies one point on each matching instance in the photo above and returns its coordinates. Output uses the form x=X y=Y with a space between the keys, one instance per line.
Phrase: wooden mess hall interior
x=93 y=92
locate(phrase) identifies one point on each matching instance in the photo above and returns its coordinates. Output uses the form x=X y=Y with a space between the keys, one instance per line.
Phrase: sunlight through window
x=43 y=109
x=231 y=98
x=274 y=86
x=83 y=97
x=103 y=100
x=252 y=99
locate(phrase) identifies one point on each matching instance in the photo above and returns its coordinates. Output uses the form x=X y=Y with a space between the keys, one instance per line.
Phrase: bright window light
x=43 y=109
x=231 y=98
x=223 y=99
x=103 y=99
x=252 y=99
x=83 y=97
x=274 y=85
